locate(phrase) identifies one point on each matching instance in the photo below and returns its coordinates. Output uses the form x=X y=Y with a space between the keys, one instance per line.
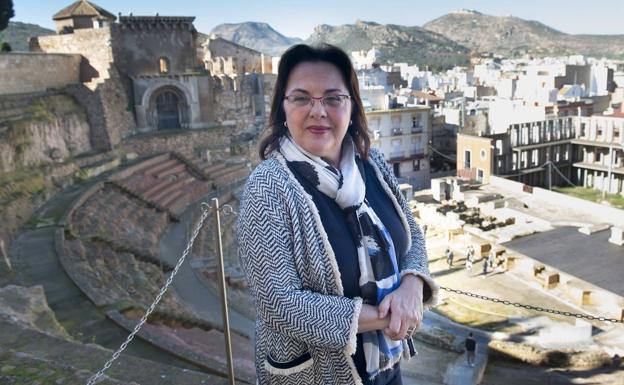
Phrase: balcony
x=396 y=154
x=417 y=129
x=396 y=131
x=415 y=152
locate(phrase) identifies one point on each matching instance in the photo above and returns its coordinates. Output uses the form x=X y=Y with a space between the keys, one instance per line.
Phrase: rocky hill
x=17 y=34
x=259 y=36
x=512 y=36
x=397 y=43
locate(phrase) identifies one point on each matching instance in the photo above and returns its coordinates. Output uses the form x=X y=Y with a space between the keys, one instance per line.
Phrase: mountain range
x=441 y=43
x=259 y=36
x=512 y=36
x=17 y=34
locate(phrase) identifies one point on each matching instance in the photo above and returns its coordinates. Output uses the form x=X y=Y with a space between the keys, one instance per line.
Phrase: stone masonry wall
x=189 y=143
x=25 y=72
x=92 y=44
x=239 y=102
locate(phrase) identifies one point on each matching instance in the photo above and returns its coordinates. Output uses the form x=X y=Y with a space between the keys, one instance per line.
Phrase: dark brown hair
x=300 y=53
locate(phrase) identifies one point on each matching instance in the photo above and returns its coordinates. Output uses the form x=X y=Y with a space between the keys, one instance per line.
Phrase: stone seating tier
x=112 y=215
x=227 y=170
x=171 y=187
x=228 y=178
x=110 y=277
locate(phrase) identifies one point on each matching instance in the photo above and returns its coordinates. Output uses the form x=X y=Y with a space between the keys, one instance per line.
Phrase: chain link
x=149 y=311
x=531 y=307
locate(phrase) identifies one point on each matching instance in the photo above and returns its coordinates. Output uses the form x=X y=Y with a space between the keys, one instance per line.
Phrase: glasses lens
x=299 y=100
x=332 y=101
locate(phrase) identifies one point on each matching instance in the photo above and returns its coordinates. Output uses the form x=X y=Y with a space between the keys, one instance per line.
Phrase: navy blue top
x=342 y=244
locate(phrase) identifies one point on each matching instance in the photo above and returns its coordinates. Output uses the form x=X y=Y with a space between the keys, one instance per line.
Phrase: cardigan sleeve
x=267 y=248
x=415 y=260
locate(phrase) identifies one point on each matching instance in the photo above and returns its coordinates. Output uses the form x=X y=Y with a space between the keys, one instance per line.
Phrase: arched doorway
x=168 y=110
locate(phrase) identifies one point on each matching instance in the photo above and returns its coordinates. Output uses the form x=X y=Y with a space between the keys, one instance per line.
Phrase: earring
x=350 y=122
x=285 y=124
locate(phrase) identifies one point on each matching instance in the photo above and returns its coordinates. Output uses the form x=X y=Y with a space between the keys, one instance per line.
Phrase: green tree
x=6 y=12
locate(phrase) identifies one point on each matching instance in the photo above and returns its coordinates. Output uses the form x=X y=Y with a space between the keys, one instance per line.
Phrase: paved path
x=200 y=297
x=457 y=371
x=35 y=262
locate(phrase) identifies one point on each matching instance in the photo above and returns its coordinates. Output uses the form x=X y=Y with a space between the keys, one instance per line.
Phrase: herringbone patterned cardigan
x=305 y=328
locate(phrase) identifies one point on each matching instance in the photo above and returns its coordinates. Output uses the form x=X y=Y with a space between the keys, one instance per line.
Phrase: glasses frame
x=321 y=99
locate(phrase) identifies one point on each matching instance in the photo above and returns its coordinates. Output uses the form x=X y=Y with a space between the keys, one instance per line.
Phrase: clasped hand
x=404 y=306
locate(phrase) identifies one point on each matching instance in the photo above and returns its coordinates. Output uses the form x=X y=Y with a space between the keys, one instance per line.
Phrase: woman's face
x=316 y=128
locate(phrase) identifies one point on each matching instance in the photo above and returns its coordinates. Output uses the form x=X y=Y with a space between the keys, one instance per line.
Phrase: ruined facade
x=152 y=67
x=228 y=58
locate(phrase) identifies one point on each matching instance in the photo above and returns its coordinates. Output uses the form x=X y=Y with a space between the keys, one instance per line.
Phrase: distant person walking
x=491 y=258
x=471 y=347
x=449 y=257
x=469 y=264
x=485 y=268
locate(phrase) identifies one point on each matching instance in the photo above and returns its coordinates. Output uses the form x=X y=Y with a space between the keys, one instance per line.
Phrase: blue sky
x=299 y=17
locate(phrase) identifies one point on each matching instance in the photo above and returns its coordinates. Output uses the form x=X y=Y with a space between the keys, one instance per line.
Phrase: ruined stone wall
x=189 y=143
x=240 y=102
x=41 y=129
x=93 y=44
x=25 y=72
x=137 y=49
x=225 y=57
x=108 y=109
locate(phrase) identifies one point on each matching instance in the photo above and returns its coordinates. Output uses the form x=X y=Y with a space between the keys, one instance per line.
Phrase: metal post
x=224 y=308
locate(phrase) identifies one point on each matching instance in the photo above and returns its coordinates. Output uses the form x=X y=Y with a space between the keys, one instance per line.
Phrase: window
x=416 y=165
x=396 y=167
x=534 y=157
x=480 y=175
x=467 y=161
x=163 y=64
x=483 y=154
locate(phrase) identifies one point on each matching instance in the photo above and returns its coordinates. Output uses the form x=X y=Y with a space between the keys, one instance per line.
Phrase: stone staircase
x=168 y=181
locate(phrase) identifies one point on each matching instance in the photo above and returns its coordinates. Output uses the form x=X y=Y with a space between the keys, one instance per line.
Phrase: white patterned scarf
x=379 y=270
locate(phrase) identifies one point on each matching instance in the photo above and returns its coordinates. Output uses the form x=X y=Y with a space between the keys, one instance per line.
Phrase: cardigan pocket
x=288 y=361
x=289 y=367
x=297 y=371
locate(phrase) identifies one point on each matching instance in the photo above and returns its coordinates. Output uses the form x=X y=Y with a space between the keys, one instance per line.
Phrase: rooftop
x=589 y=257
x=82 y=8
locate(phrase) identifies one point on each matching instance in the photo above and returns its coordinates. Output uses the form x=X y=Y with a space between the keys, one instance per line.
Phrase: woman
x=334 y=260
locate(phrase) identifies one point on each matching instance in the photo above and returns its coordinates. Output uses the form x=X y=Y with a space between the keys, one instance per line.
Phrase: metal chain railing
x=531 y=307
x=230 y=210
x=149 y=311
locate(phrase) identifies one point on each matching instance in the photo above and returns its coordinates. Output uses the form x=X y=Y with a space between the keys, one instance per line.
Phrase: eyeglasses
x=329 y=101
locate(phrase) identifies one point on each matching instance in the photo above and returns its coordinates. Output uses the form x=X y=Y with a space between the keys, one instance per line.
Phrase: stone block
x=591 y=229
x=439 y=189
x=579 y=295
x=565 y=333
x=551 y=279
x=509 y=263
x=617 y=236
x=538 y=269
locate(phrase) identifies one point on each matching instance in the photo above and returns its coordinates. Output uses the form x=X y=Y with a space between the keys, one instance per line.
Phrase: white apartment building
x=365 y=59
x=402 y=136
x=600 y=152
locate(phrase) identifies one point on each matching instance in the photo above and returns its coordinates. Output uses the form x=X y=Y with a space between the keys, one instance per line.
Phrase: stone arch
x=176 y=90
x=168 y=109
